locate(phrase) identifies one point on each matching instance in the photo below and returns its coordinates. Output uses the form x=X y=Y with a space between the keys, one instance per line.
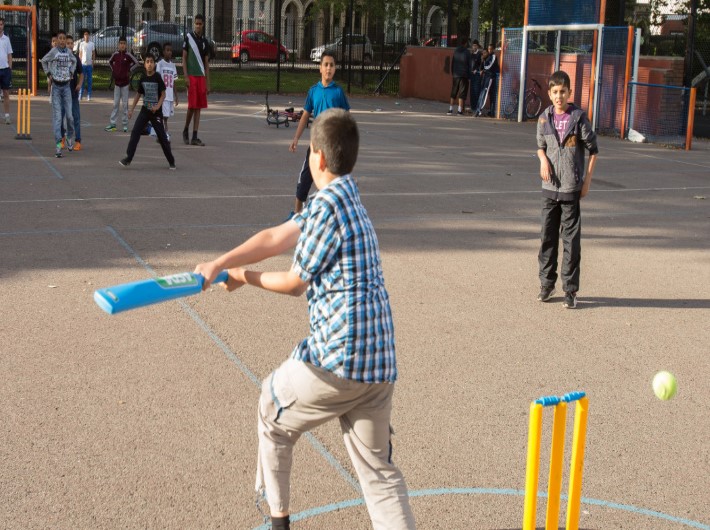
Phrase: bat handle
x=221 y=277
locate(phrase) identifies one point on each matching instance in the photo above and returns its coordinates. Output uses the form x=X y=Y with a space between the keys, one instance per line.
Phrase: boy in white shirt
x=167 y=70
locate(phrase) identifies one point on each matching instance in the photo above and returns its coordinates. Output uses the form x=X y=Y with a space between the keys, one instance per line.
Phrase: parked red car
x=255 y=45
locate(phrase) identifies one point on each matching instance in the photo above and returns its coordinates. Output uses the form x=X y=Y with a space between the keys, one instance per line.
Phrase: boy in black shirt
x=152 y=88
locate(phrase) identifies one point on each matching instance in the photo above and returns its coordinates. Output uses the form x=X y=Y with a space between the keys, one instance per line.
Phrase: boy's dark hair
x=328 y=53
x=335 y=134
x=166 y=45
x=86 y=32
x=69 y=37
x=559 y=78
x=2 y=19
x=149 y=57
x=61 y=32
x=200 y=16
x=122 y=39
x=475 y=41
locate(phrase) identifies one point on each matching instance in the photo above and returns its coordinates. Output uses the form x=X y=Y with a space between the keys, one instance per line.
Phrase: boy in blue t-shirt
x=324 y=95
x=347 y=367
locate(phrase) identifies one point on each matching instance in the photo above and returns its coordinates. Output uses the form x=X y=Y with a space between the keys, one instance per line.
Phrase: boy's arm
x=206 y=62
x=184 y=66
x=285 y=282
x=299 y=130
x=136 y=98
x=46 y=60
x=588 y=178
x=265 y=244
x=545 y=167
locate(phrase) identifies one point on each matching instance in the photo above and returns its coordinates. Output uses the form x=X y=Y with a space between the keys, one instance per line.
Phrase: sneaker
x=7 y=119
x=186 y=137
x=172 y=167
x=111 y=127
x=459 y=113
x=125 y=162
x=449 y=112
x=125 y=129
x=197 y=141
x=546 y=293
x=88 y=98
x=58 y=152
x=77 y=146
x=63 y=142
x=70 y=144
x=570 y=300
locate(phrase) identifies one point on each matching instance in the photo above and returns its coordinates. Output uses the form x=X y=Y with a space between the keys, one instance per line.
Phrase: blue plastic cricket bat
x=132 y=295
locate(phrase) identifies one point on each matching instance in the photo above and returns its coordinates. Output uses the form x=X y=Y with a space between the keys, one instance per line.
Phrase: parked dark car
x=254 y=45
x=18 y=40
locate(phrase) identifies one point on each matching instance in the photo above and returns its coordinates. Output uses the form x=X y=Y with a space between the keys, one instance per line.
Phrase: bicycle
x=533 y=103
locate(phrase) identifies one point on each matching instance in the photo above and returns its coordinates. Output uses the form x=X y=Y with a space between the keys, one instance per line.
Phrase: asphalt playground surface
x=148 y=419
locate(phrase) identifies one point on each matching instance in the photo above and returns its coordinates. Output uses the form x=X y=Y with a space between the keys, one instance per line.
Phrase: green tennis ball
x=664 y=385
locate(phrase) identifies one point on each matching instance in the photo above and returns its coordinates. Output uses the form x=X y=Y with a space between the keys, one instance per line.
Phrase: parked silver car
x=106 y=40
x=152 y=35
x=361 y=49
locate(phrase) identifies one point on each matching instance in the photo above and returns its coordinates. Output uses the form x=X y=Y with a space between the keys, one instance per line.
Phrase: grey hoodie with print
x=60 y=63
x=566 y=156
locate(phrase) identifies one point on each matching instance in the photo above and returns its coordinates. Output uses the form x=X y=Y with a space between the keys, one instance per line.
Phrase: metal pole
x=475 y=9
x=523 y=74
x=688 y=76
x=414 y=37
x=278 y=45
x=449 y=18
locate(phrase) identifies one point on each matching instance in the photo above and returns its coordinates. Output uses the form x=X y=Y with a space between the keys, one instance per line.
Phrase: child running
x=152 y=88
x=347 y=367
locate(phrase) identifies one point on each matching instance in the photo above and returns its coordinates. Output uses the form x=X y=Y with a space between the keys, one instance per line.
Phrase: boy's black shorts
x=459 y=87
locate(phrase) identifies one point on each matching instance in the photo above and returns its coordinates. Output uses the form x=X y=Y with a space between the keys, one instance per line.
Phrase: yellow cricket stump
x=554 y=485
x=23 y=115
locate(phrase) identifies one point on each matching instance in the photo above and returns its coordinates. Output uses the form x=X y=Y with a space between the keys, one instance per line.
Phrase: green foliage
x=68 y=8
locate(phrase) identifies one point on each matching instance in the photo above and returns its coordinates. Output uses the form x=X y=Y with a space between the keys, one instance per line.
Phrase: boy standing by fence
x=87 y=56
x=121 y=63
x=196 y=69
x=347 y=367
x=324 y=95
x=59 y=65
x=563 y=133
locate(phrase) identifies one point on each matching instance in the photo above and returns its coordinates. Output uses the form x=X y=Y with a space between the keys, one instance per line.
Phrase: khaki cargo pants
x=296 y=398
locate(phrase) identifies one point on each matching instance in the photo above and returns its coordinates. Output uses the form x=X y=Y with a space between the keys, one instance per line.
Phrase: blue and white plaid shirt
x=352 y=334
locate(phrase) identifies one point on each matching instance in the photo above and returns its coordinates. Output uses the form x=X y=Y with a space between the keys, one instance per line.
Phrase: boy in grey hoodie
x=563 y=133
x=59 y=65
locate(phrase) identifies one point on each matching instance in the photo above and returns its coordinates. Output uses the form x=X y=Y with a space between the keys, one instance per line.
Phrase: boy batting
x=346 y=368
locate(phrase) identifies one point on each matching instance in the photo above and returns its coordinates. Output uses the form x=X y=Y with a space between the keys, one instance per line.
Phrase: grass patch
x=233 y=79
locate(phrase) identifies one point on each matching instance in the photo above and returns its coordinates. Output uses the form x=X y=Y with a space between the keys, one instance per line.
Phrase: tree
x=67 y=8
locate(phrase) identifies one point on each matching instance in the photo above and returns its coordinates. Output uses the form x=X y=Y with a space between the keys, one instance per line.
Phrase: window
x=252 y=7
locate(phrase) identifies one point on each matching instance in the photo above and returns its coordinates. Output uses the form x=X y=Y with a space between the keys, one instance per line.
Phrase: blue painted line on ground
x=319 y=447
x=50 y=232
x=46 y=162
x=352 y=503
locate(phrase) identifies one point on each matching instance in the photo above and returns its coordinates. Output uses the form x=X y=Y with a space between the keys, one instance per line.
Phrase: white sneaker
x=88 y=98
x=7 y=119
